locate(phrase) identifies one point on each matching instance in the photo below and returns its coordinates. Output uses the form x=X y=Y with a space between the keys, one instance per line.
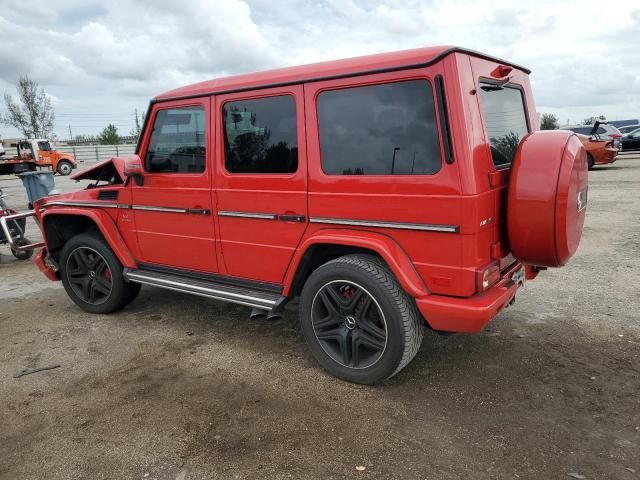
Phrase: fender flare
x=390 y=251
x=105 y=224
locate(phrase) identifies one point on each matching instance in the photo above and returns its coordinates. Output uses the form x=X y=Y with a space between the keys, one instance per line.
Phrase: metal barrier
x=5 y=228
x=89 y=154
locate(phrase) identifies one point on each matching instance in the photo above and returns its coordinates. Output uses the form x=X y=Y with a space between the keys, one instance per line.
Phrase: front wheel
x=92 y=275
x=358 y=322
x=590 y=161
x=64 y=167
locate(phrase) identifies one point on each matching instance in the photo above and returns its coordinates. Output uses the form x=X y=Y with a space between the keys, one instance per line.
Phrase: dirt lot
x=179 y=387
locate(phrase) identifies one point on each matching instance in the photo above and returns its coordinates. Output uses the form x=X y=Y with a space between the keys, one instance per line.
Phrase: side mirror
x=133 y=168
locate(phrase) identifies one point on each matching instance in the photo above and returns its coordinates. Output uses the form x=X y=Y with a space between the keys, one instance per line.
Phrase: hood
x=97 y=171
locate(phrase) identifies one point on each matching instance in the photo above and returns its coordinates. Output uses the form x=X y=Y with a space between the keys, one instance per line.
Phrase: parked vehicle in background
x=61 y=162
x=37 y=153
x=389 y=192
x=599 y=129
x=22 y=161
x=631 y=141
x=599 y=152
x=628 y=129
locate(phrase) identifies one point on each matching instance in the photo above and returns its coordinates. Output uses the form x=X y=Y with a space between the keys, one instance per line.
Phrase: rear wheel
x=92 y=275
x=358 y=322
x=64 y=167
x=590 y=161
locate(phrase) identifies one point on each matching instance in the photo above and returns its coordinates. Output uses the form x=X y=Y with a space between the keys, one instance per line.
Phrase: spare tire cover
x=547 y=198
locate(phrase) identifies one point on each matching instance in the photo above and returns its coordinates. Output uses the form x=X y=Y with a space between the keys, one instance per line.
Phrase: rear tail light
x=615 y=135
x=487 y=276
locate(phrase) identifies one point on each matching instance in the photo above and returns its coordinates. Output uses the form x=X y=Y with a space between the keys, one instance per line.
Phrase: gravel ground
x=180 y=387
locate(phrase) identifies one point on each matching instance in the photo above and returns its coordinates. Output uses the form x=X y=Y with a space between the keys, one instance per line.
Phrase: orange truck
x=34 y=153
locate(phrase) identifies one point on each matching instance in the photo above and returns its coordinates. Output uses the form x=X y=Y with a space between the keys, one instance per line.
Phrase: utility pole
x=70 y=134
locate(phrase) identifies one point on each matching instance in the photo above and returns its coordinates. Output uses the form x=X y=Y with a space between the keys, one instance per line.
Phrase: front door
x=261 y=181
x=172 y=210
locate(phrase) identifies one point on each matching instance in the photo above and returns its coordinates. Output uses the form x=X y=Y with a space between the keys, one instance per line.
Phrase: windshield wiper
x=494 y=87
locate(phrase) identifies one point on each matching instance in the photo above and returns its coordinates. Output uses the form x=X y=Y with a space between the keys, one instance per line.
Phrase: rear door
x=173 y=208
x=261 y=181
x=508 y=114
x=376 y=162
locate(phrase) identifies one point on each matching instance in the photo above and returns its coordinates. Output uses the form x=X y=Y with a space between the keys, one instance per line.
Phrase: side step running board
x=219 y=291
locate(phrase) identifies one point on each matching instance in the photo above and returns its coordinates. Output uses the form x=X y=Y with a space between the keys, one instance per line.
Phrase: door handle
x=291 y=218
x=199 y=211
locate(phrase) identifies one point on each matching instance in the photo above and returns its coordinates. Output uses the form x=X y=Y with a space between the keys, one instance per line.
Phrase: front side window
x=260 y=135
x=44 y=146
x=177 y=142
x=386 y=129
x=504 y=119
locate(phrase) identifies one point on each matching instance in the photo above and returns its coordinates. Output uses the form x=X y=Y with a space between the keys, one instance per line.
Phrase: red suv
x=389 y=192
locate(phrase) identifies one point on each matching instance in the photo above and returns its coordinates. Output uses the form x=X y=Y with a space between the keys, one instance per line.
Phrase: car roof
x=603 y=125
x=368 y=64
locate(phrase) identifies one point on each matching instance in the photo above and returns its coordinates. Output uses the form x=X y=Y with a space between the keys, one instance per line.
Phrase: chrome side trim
x=261 y=216
x=7 y=233
x=149 y=208
x=397 y=225
x=123 y=206
x=199 y=290
x=80 y=204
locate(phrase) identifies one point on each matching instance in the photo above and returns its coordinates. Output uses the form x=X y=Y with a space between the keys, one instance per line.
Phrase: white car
x=599 y=130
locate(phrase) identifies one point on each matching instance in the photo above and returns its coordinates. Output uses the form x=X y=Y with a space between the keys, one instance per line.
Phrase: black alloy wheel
x=89 y=275
x=349 y=324
x=358 y=322
x=93 y=276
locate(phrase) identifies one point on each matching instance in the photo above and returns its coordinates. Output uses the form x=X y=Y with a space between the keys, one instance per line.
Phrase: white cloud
x=101 y=58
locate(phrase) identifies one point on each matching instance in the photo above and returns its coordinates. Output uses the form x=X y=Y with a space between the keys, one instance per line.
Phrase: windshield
x=504 y=119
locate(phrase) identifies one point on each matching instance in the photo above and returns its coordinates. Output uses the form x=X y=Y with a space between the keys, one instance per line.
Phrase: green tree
x=109 y=136
x=548 y=121
x=32 y=113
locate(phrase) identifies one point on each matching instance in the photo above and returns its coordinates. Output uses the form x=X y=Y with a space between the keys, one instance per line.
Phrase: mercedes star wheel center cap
x=350 y=322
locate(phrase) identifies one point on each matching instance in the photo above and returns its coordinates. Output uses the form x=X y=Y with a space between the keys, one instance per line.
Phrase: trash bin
x=37 y=184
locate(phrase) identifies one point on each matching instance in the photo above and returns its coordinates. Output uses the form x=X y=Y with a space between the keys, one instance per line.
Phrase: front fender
x=103 y=222
x=385 y=246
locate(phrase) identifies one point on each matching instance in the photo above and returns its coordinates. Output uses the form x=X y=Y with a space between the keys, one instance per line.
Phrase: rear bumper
x=470 y=315
x=608 y=156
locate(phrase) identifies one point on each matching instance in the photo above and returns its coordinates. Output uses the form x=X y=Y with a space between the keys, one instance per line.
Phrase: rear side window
x=387 y=129
x=177 y=142
x=260 y=135
x=504 y=119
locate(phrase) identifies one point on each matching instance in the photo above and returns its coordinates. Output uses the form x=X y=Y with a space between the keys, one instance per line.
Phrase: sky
x=99 y=61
